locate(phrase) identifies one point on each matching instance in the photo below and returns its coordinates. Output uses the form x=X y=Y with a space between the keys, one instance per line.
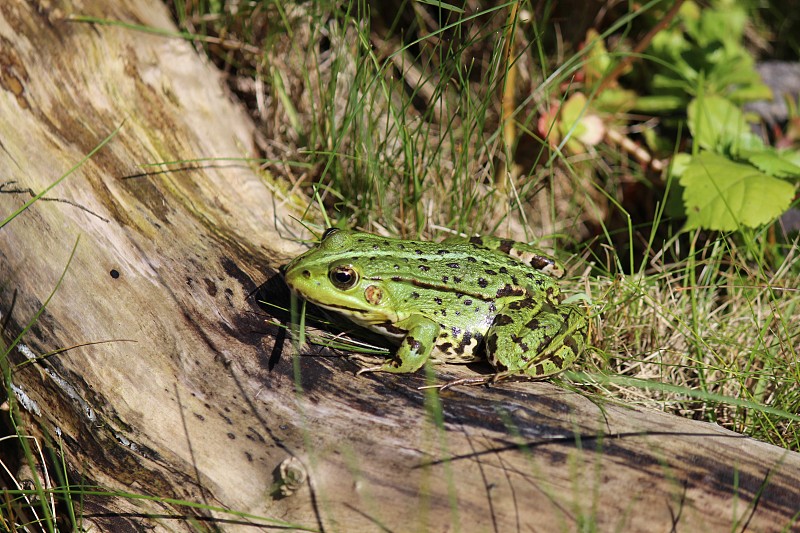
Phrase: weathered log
x=192 y=393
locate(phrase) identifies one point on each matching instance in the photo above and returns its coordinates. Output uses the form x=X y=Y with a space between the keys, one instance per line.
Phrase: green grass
x=402 y=123
x=398 y=127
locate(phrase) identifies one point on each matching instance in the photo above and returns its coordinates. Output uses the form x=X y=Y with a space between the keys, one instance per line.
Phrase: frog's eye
x=343 y=277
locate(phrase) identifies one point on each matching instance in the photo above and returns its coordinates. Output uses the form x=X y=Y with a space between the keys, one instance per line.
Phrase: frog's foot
x=378 y=368
x=483 y=380
x=463 y=381
x=366 y=359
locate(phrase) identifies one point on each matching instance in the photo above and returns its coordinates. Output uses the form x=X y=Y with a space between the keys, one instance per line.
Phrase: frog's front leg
x=535 y=338
x=415 y=348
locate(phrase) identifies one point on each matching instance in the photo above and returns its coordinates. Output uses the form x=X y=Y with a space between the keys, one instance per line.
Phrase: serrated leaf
x=720 y=194
x=792 y=156
x=774 y=164
x=680 y=163
x=717 y=124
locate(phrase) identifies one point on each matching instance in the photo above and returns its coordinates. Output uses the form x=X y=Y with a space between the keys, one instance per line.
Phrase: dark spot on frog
x=397 y=278
x=508 y=290
x=396 y=267
x=471 y=259
x=492 y=307
x=533 y=324
x=456 y=331
x=424 y=268
x=401 y=247
x=539 y=262
x=443 y=334
x=114 y=273
x=467 y=302
x=503 y=270
x=505 y=246
x=476 y=240
x=415 y=295
x=522 y=304
x=418 y=251
x=438 y=300
x=445 y=279
x=442 y=252
x=465 y=340
x=500 y=367
x=249 y=457
x=569 y=342
x=529 y=275
x=456 y=279
x=231 y=436
x=376 y=247
x=361 y=239
x=423 y=259
x=490 y=272
x=491 y=347
x=482 y=282
x=523 y=346
x=502 y=320
x=453 y=265
x=413 y=343
x=446 y=347
x=514 y=280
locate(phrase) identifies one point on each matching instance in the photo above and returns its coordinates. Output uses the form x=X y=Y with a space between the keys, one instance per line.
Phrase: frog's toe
x=483 y=380
x=378 y=368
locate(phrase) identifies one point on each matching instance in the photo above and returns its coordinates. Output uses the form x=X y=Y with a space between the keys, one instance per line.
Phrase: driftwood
x=192 y=393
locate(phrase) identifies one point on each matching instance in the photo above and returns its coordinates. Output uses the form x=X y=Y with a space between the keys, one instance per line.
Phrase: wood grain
x=191 y=392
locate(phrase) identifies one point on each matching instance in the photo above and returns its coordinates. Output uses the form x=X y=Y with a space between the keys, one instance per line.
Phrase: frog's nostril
x=306 y=274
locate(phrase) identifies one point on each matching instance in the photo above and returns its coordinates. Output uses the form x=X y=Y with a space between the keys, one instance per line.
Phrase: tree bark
x=179 y=386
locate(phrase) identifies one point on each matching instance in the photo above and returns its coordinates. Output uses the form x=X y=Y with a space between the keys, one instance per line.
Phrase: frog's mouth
x=369 y=318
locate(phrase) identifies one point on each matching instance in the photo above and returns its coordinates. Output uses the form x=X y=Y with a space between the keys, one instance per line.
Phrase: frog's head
x=332 y=276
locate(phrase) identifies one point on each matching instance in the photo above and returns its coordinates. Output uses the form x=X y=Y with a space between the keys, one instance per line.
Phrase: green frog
x=456 y=301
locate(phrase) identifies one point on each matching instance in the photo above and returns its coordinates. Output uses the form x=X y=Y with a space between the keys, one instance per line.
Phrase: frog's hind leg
x=535 y=339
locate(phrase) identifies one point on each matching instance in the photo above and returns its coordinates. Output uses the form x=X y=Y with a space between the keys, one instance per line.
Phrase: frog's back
x=459 y=266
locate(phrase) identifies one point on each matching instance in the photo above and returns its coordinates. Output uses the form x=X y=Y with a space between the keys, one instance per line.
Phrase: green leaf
x=680 y=163
x=723 y=24
x=718 y=125
x=660 y=104
x=775 y=164
x=792 y=156
x=720 y=194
